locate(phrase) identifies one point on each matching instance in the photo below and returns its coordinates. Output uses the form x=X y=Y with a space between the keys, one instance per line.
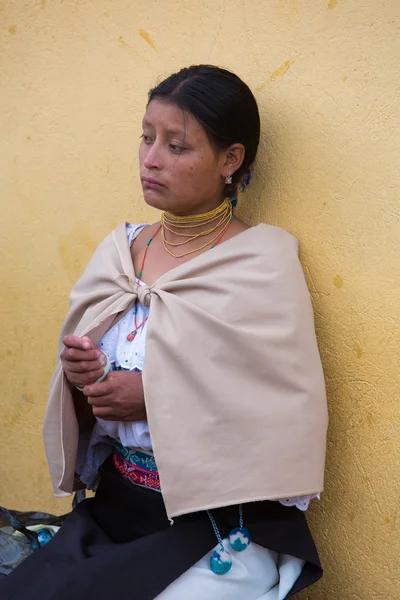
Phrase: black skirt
x=120 y=544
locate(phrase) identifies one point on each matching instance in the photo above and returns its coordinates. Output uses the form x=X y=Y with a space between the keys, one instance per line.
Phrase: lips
x=151 y=183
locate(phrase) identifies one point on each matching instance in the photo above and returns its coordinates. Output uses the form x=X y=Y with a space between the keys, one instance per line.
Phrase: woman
x=189 y=392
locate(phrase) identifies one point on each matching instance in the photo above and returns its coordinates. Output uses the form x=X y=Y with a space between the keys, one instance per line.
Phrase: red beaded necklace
x=131 y=336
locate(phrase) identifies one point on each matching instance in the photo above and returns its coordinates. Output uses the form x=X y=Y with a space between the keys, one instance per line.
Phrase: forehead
x=161 y=114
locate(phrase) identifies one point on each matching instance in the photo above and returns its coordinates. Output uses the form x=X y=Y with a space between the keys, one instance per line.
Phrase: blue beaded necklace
x=239 y=540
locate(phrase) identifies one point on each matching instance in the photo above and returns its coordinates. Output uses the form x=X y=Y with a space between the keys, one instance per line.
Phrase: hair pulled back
x=225 y=107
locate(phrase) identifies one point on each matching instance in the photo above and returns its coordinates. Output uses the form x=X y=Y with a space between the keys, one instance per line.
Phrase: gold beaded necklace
x=223 y=214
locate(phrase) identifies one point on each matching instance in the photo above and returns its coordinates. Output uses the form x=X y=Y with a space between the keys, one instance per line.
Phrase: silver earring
x=228 y=179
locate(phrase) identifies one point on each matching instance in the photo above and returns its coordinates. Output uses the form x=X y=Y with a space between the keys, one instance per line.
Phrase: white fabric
x=256 y=574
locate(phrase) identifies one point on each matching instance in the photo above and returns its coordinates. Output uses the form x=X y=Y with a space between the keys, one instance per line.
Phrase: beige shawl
x=233 y=382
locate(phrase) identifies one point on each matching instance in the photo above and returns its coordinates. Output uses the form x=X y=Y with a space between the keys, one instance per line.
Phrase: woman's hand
x=119 y=397
x=82 y=362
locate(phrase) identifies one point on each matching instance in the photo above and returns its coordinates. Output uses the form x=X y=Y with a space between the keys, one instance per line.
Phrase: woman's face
x=179 y=169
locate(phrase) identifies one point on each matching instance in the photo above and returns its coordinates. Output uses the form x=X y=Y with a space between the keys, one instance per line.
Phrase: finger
x=98 y=389
x=73 y=341
x=87 y=341
x=75 y=354
x=104 y=412
x=81 y=380
x=86 y=377
x=82 y=367
x=97 y=401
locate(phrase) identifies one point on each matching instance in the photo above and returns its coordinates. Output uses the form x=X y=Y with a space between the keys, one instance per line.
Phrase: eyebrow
x=171 y=131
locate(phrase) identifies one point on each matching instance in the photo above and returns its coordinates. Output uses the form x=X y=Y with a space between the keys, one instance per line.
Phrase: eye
x=147 y=139
x=176 y=148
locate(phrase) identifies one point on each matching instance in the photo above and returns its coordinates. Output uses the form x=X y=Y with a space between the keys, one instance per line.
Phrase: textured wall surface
x=74 y=79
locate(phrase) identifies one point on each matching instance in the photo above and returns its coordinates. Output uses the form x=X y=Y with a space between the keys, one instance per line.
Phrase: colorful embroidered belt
x=136 y=467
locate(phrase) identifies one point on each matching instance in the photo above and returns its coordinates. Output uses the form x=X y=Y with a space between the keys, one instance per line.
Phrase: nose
x=152 y=157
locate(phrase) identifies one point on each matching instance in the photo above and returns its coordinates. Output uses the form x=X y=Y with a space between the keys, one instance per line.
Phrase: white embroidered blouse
x=130 y=355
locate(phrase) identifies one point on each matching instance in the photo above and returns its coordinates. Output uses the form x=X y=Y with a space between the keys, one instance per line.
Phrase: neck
x=198 y=210
x=195 y=230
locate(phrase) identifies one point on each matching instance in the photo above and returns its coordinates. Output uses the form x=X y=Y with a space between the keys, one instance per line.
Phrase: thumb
x=88 y=344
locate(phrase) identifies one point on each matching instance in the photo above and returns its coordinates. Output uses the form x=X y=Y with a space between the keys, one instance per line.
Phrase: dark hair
x=224 y=105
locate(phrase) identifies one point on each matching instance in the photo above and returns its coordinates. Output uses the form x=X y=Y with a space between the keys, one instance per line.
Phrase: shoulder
x=114 y=249
x=275 y=233
x=271 y=238
x=279 y=253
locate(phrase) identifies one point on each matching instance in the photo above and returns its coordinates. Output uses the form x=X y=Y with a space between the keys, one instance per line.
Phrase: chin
x=155 y=199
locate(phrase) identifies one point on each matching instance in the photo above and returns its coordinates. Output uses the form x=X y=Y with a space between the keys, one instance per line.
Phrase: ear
x=233 y=158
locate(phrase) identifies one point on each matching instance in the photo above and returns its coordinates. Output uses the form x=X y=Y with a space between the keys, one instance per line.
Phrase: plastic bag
x=21 y=533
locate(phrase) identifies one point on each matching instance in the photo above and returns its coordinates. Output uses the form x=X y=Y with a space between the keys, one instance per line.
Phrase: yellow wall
x=74 y=78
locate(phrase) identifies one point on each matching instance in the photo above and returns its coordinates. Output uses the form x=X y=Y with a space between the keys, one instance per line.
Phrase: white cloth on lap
x=256 y=574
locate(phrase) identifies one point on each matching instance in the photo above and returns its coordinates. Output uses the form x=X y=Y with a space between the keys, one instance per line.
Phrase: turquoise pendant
x=220 y=561
x=239 y=538
x=43 y=537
